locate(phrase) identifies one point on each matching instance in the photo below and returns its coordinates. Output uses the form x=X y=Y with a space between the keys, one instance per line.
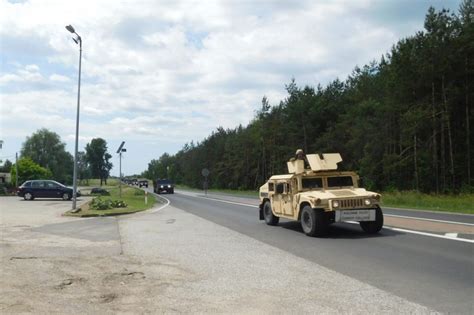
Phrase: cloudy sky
x=158 y=74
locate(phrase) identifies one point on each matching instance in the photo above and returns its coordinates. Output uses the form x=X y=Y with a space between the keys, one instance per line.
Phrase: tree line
x=403 y=122
x=43 y=156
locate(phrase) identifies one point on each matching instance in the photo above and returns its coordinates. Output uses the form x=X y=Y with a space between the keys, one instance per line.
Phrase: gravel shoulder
x=228 y=272
x=166 y=261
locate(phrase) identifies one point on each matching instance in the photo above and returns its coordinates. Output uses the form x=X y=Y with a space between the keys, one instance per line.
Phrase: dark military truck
x=163 y=185
x=143 y=183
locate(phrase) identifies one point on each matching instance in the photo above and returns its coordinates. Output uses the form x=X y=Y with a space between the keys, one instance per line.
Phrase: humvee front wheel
x=268 y=215
x=313 y=221
x=373 y=227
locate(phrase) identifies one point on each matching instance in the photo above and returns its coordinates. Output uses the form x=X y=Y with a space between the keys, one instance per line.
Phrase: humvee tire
x=314 y=221
x=373 y=227
x=268 y=215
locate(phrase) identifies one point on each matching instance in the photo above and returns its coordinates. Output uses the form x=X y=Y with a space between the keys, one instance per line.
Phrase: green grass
x=133 y=197
x=463 y=203
x=95 y=182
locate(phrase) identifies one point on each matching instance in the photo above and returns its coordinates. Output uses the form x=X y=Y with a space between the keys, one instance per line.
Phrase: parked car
x=32 y=189
x=163 y=185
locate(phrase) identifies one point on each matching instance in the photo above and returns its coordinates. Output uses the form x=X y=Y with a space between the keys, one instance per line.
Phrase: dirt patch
x=428 y=226
x=86 y=284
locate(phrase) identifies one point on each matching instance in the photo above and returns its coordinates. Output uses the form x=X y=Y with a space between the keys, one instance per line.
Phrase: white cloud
x=59 y=78
x=161 y=70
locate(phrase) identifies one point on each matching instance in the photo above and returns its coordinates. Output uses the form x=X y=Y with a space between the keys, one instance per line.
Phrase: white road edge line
x=447 y=236
x=163 y=206
x=385 y=227
x=425 y=219
x=387 y=215
x=431 y=234
x=225 y=201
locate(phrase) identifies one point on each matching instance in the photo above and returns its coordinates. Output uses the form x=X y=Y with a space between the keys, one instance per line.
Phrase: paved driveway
x=34 y=213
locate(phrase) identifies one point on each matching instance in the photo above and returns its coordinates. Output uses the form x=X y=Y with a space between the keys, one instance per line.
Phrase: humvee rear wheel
x=313 y=221
x=373 y=227
x=268 y=215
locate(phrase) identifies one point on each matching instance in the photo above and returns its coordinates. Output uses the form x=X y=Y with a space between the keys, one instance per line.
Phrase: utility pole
x=77 y=40
x=16 y=170
x=119 y=151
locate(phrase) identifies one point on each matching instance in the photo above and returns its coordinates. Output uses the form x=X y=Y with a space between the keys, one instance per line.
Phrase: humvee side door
x=282 y=199
x=277 y=197
x=287 y=199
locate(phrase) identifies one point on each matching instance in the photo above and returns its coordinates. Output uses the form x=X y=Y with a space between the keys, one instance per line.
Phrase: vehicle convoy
x=32 y=189
x=318 y=195
x=143 y=183
x=163 y=185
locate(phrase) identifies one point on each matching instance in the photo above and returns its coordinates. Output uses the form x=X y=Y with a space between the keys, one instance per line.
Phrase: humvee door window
x=271 y=186
x=280 y=188
x=312 y=183
x=340 y=181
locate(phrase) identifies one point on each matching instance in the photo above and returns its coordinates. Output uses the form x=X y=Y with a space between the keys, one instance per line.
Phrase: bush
x=138 y=192
x=3 y=189
x=100 y=204
x=100 y=192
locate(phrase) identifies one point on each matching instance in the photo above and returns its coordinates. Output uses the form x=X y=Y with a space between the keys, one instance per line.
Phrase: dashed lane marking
x=451 y=235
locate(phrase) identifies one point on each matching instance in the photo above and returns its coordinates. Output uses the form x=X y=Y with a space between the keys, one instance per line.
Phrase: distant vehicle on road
x=143 y=183
x=163 y=185
x=318 y=195
x=32 y=189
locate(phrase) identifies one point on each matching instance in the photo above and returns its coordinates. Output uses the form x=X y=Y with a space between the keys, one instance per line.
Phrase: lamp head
x=70 y=29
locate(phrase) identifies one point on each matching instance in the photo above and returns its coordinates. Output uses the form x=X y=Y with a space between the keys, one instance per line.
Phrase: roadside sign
x=205 y=172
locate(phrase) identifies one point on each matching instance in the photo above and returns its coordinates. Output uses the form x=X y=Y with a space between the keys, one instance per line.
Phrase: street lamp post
x=77 y=40
x=119 y=151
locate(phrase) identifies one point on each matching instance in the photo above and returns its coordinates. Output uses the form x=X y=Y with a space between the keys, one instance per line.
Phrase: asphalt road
x=435 y=272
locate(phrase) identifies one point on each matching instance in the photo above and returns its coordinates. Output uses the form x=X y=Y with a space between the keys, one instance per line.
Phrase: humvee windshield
x=164 y=182
x=312 y=183
x=340 y=181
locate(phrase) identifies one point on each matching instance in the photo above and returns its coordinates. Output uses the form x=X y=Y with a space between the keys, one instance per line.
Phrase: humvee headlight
x=367 y=202
x=335 y=204
x=161 y=186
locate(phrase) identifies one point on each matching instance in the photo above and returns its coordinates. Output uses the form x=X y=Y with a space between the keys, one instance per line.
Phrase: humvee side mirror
x=279 y=188
x=361 y=182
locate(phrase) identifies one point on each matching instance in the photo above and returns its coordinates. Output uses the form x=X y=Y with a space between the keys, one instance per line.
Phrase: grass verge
x=462 y=203
x=95 y=182
x=133 y=197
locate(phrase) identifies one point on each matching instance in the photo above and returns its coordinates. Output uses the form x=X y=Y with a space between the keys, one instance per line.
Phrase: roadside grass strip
x=133 y=197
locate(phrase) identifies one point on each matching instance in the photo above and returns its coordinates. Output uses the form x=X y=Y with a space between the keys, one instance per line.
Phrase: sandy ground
x=164 y=262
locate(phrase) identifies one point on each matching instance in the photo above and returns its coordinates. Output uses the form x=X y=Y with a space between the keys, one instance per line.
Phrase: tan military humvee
x=318 y=196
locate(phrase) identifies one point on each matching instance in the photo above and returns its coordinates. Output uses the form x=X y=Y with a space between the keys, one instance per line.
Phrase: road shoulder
x=230 y=272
